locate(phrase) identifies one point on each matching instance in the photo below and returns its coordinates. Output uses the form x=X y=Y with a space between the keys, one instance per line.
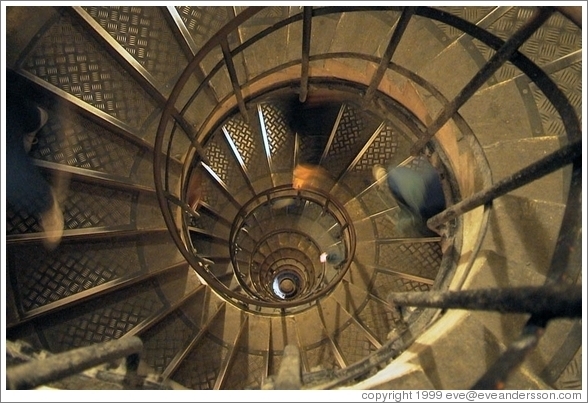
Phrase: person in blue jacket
x=418 y=192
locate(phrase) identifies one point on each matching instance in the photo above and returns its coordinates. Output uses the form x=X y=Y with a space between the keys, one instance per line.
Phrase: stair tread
x=508 y=156
x=524 y=231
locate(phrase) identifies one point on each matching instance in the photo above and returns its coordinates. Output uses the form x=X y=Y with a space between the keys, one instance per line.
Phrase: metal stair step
x=508 y=156
x=523 y=232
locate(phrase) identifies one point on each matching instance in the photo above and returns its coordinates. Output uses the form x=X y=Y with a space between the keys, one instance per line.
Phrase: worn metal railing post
x=500 y=57
x=306 y=30
x=389 y=52
x=548 y=164
x=550 y=301
x=40 y=372
x=234 y=79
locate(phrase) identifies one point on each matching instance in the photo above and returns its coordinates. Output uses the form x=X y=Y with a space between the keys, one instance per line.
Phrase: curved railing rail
x=329 y=207
x=184 y=99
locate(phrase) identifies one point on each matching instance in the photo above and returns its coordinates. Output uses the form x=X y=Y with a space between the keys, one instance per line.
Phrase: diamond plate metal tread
x=85 y=206
x=209 y=222
x=557 y=38
x=101 y=319
x=571 y=377
x=364 y=302
x=145 y=35
x=201 y=370
x=67 y=57
x=353 y=343
x=349 y=338
x=249 y=143
x=387 y=148
x=41 y=278
x=470 y=14
x=246 y=372
x=421 y=259
x=226 y=167
x=380 y=320
x=74 y=141
x=201 y=367
x=214 y=197
x=202 y=22
x=354 y=130
x=280 y=137
x=374 y=202
x=569 y=81
x=321 y=357
x=165 y=339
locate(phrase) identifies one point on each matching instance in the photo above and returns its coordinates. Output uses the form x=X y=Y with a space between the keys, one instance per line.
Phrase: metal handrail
x=32 y=374
x=535 y=74
x=218 y=39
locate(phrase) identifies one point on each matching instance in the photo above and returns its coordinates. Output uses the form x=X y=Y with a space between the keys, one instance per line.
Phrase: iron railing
x=172 y=125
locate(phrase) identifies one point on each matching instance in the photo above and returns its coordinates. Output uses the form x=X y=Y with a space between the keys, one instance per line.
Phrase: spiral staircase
x=176 y=138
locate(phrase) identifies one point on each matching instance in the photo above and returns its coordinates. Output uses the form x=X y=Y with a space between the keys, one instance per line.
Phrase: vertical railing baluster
x=306 y=30
x=389 y=52
x=335 y=349
x=503 y=54
x=231 y=354
x=234 y=79
x=267 y=355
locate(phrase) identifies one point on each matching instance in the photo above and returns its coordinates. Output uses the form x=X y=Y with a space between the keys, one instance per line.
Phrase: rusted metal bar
x=40 y=372
x=565 y=266
x=563 y=270
x=306 y=31
x=503 y=54
x=497 y=374
x=545 y=301
x=536 y=170
x=234 y=79
x=389 y=52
